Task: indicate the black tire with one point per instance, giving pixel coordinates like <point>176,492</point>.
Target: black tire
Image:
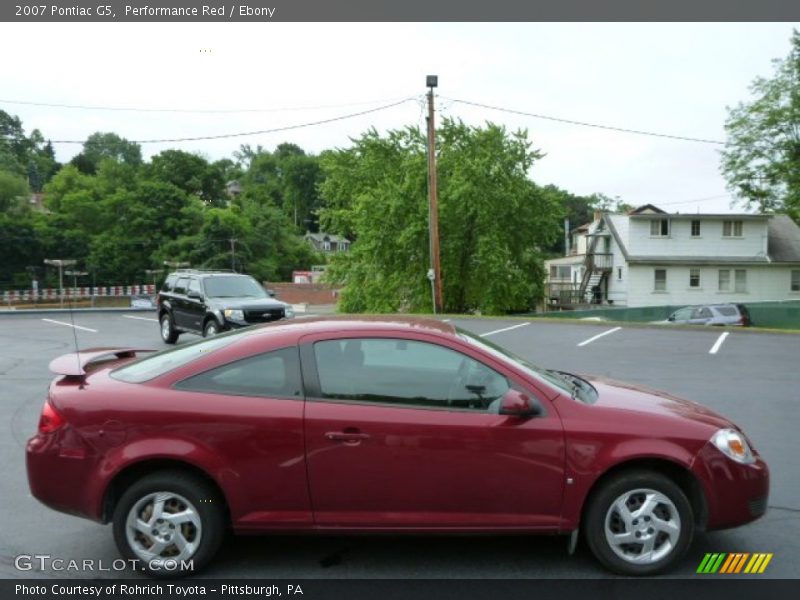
<point>168,332</point>
<point>211,328</point>
<point>673,517</point>
<point>180,489</point>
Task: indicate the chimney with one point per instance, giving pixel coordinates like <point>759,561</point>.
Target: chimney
<point>598,214</point>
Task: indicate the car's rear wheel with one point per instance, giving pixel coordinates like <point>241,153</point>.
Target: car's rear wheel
<point>639,523</point>
<point>168,333</point>
<point>171,523</point>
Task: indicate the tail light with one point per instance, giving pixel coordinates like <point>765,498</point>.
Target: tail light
<point>50,420</point>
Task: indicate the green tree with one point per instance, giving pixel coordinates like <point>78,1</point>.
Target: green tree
<point>761,159</point>
<point>106,145</point>
<point>190,172</point>
<point>13,188</point>
<point>493,220</point>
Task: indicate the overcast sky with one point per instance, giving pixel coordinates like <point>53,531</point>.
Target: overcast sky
<point>670,78</point>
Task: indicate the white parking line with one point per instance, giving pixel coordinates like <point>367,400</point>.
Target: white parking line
<point>718,343</point>
<point>505,329</point>
<point>140,318</point>
<point>70,325</point>
<point>598,336</point>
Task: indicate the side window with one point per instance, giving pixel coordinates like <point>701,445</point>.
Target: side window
<point>180,286</point>
<point>406,372</point>
<point>194,286</point>
<point>274,375</point>
<point>169,283</point>
<point>703,313</point>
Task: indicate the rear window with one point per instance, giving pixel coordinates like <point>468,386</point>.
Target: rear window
<point>727,311</point>
<point>162,362</point>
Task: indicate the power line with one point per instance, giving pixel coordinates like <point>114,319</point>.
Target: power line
<point>260,132</point>
<point>192,110</point>
<point>696,200</point>
<point>587,124</point>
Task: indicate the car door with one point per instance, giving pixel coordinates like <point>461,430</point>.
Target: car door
<point>179,309</point>
<point>406,433</point>
<point>702,315</point>
<point>195,306</point>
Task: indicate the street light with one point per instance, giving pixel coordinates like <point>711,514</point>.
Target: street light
<point>60,263</point>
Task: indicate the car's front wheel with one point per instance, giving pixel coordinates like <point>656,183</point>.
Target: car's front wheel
<point>639,523</point>
<point>211,328</point>
<point>168,332</point>
<point>169,524</point>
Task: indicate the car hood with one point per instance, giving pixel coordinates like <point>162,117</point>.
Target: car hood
<point>247,303</point>
<point>633,397</point>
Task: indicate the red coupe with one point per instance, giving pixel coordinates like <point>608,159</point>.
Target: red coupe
<point>373,425</point>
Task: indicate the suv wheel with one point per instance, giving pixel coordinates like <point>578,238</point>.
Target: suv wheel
<point>168,520</point>
<point>168,333</point>
<point>639,523</point>
<point>211,328</point>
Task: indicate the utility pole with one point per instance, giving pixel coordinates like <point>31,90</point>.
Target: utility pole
<point>435,273</point>
<point>233,254</point>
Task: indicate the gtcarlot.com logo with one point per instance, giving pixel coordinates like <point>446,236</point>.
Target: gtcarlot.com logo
<point>734,562</point>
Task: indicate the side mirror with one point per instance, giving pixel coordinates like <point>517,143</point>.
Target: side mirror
<point>671,318</point>
<point>194,295</point>
<point>517,404</point>
<point>270,293</point>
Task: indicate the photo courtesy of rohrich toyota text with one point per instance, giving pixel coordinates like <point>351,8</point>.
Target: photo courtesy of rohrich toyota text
<point>421,299</point>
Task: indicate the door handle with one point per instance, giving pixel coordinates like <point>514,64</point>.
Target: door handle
<point>348,437</point>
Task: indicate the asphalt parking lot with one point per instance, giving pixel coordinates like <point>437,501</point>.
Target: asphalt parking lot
<point>751,377</point>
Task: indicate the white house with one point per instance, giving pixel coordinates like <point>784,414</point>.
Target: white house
<point>651,258</point>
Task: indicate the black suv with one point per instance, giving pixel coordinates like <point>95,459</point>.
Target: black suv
<point>207,302</point>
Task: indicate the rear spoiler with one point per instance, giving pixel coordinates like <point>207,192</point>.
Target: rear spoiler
<point>74,364</point>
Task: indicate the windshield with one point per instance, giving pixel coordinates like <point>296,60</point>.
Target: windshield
<point>233,286</point>
<point>159,363</point>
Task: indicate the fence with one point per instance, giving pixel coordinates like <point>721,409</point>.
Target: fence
<point>774,315</point>
<point>75,293</point>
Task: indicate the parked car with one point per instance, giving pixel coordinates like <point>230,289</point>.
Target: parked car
<point>208,302</point>
<point>380,424</point>
<point>712,314</point>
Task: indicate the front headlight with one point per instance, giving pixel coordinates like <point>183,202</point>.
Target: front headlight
<point>288,312</point>
<point>233,314</point>
<point>733,445</point>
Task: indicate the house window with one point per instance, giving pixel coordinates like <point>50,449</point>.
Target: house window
<point>795,284</point>
<point>553,272</point>
<point>731,229</point>
<point>695,228</point>
<point>694,278</point>
<point>741,280</point>
<point>619,273</point>
<point>724,280</point>
<point>561,273</point>
<point>660,281</point>
<point>659,227</point>
<point>326,246</point>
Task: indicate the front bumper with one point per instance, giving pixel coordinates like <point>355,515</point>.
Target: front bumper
<point>735,493</point>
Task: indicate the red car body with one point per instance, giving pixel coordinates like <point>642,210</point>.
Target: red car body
<point>314,464</point>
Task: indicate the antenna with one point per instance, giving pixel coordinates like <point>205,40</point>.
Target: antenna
<point>75,336</point>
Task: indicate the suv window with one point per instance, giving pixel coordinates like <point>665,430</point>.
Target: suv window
<point>180,286</point>
<point>169,283</point>
<point>233,286</point>
<point>727,311</point>
<point>159,363</point>
<point>274,375</point>
<point>405,372</point>
<point>194,286</point>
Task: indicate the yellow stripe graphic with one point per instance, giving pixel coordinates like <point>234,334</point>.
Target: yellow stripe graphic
<point>757,564</point>
<point>765,563</point>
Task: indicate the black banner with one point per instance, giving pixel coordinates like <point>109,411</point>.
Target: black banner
<point>397,10</point>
